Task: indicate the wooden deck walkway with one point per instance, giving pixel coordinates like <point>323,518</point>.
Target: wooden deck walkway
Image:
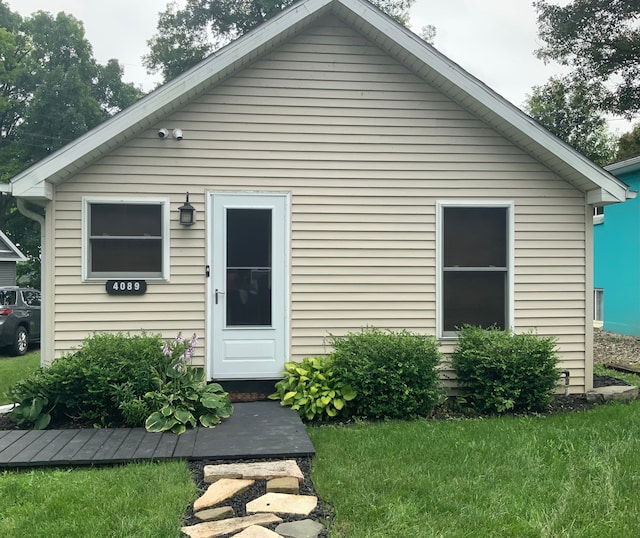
<point>254,430</point>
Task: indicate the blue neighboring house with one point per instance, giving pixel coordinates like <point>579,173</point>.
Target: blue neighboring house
<point>616,245</point>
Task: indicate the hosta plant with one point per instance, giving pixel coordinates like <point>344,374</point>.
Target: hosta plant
<point>182,397</point>
<point>313,390</point>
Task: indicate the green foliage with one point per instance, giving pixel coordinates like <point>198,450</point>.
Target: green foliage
<point>629,144</point>
<point>600,42</point>
<point>181,397</point>
<point>393,373</point>
<point>311,388</point>
<point>52,90</point>
<point>500,371</point>
<point>81,385</point>
<point>187,35</point>
<point>571,112</point>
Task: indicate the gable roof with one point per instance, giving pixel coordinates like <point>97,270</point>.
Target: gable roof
<point>8,251</point>
<point>36,183</point>
<point>624,167</point>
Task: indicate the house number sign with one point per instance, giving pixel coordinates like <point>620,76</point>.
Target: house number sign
<point>126,287</point>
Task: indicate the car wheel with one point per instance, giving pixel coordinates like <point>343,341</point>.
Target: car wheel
<point>20,341</point>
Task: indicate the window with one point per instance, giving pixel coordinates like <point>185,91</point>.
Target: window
<point>598,215</point>
<point>126,239</point>
<point>474,265</point>
<point>31,297</point>
<point>598,304</point>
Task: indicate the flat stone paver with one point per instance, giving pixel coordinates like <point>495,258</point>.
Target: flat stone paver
<point>256,470</point>
<point>613,392</point>
<point>214,514</point>
<point>283,503</point>
<point>211,529</point>
<point>220,491</point>
<point>307,528</point>
<point>285,484</point>
<point>257,532</point>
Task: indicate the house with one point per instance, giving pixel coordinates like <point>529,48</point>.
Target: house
<point>344,174</point>
<point>10,255</point>
<point>617,257</point>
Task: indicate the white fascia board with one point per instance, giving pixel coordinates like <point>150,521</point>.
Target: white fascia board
<point>601,197</point>
<point>623,167</point>
<point>484,96</point>
<point>76,155</point>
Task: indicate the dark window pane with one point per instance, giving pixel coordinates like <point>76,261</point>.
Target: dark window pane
<point>126,255</point>
<point>249,238</point>
<point>248,297</point>
<point>126,220</point>
<point>474,298</point>
<point>31,298</point>
<point>475,237</point>
<point>8,298</point>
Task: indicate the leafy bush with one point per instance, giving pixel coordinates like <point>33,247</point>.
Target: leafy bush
<point>81,385</point>
<point>181,397</point>
<point>311,388</point>
<point>500,370</point>
<point>116,379</point>
<point>393,373</point>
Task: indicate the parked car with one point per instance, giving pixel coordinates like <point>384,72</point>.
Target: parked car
<point>19,318</point>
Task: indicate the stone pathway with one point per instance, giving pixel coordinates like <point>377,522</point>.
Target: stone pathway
<point>270,494</point>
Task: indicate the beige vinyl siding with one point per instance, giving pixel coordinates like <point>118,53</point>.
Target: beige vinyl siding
<point>366,149</point>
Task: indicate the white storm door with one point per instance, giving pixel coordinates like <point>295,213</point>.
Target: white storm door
<point>248,285</point>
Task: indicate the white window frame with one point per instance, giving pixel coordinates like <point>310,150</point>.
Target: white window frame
<point>598,306</point>
<point>440,207</point>
<point>86,247</point>
<point>598,214</point>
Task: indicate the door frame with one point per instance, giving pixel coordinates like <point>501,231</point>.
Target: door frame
<point>209,234</point>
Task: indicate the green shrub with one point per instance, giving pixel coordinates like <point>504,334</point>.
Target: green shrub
<point>311,388</point>
<point>181,397</point>
<point>81,385</point>
<point>500,370</point>
<point>393,373</point>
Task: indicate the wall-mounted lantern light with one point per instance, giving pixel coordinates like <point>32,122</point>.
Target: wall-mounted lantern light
<point>187,213</point>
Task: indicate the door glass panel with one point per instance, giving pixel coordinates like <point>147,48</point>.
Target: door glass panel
<point>248,267</point>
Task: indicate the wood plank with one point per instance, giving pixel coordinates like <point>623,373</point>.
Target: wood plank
<point>21,444</point>
<point>49,452</point>
<point>186,441</point>
<point>67,454</point>
<point>30,453</point>
<point>147,446</point>
<point>8,438</point>
<point>166,446</point>
<point>88,451</point>
<point>129,445</point>
<point>111,445</point>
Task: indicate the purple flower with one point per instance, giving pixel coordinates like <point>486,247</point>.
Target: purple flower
<point>194,340</point>
<point>166,350</point>
<point>188,353</point>
<point>180,338</point>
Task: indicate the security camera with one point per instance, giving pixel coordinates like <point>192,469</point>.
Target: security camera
<point>163,133</point>
<point>177,134</point>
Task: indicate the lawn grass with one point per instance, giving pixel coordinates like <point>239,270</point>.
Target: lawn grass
<point>14,369</point>
<point>143,500</point>
<point>574,475</point>
<point>632,379</point>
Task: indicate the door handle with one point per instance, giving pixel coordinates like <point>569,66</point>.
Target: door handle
<point>218,292</point>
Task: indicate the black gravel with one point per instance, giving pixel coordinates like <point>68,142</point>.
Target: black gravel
<point>321,513</point>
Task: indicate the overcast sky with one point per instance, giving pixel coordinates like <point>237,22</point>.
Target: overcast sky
<point>494,40</point>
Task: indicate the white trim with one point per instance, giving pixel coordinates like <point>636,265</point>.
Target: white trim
<point>20,256</point>
<point>440,205</point>
<point>165,203</point>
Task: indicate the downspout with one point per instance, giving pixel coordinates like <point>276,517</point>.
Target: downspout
<point>44,337</point>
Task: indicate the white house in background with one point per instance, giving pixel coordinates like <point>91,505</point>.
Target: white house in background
<point>10,255</point>
<point>344,174</point>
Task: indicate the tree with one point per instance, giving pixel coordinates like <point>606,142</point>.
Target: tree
<point>51,91</point>
<point>629,144</point>
<point>186,36</point>
<point>570,111</point>
<point>600,41</point>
